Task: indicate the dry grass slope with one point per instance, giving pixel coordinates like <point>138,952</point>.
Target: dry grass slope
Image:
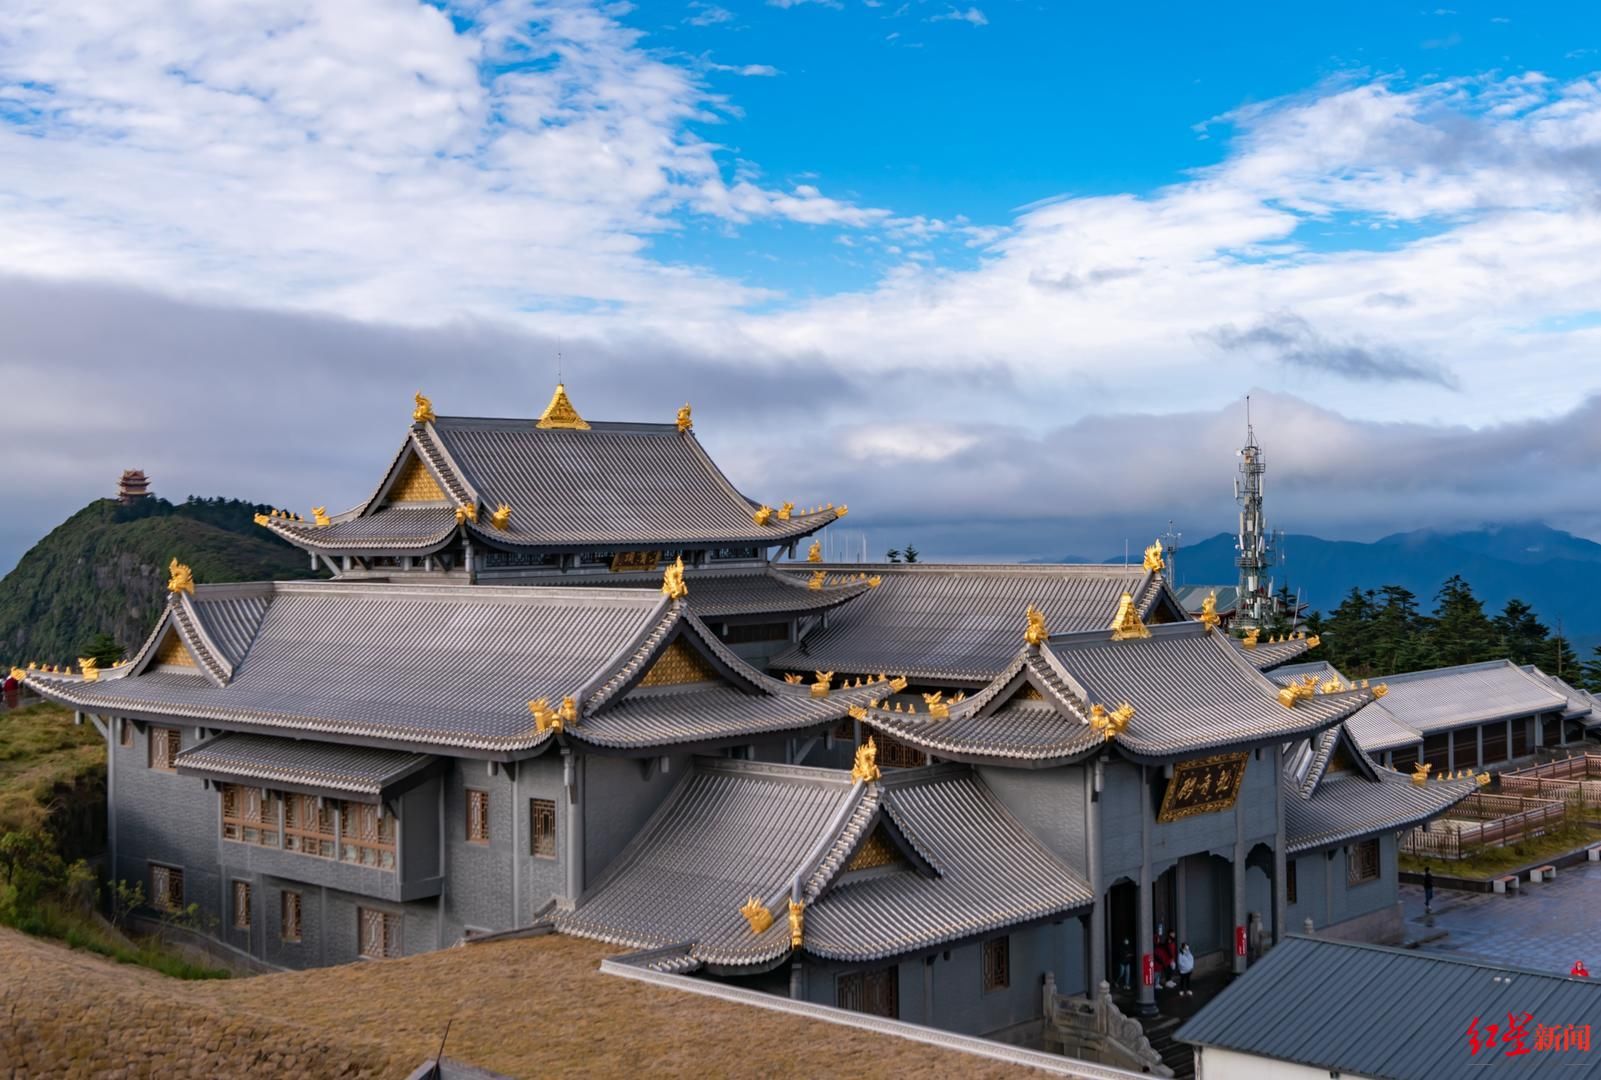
<point>530,1008</point>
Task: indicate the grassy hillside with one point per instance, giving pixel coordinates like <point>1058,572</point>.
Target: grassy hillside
<point>104,570</point>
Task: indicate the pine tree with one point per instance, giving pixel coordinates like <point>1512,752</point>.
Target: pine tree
<point>1559,659</point>
<point>102,649</point>
<point>1462,633</point>
<point>1591,673</point>
<point>1398,634</point>
<point>1521,637</point>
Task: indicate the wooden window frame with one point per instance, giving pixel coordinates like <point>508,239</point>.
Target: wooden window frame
<point>1359,869</point>
<point>859,990</point>
<point>377,933</point>
<point>164,745</point>
<point>542,843</point>
<point>289,913</point>
<point>996,962</point>
<point>310,829</point>
<point>250,815</point>
<point>477,816</point>
<point>366,835</point>
<point>241,905</point>
<point>166,887</point>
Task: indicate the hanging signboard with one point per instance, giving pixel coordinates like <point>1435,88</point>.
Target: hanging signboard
<point>1203,785</point>
<point>634,560</point>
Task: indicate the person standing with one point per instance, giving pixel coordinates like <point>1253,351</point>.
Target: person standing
<point>1428,891</point>
<point>1186,965</point>
<point>1125,965</point>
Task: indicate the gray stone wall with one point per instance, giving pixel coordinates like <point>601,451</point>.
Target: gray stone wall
<point>1050,803</point>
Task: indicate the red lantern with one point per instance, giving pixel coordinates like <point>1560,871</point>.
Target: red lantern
<point>1239,941</point>
<point>1148,970</point>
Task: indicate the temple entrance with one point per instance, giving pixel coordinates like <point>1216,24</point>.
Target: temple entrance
<point>1165,913</point>
<point>1122,924</point>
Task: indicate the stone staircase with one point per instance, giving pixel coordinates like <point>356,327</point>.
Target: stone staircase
<point>1094,1029</point>
<point>1178,1056</point>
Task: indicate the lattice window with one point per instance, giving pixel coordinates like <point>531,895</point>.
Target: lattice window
<point>894,754</point>
<point>876,992</point>
<point>542,828</point>
<point>241,905</point>
<point>166,887</point>
<point>165,742</point>
<point>124,732</point>
<point>308,827</point>
<point>1289,881</point>
<point>380,933</point>
<point>997,964</point>
<point>289,915</point>
<point>250,815</point>
<point>477,816</point>
<point>367,835</point>
<point>1362,862</point>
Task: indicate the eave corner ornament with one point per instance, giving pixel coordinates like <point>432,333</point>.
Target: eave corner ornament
<point>1154,563</point>
<point>1295,693</point>
<point>500,517</point>
<point>1034,632</point>
<point>319,514</point>
<point>1249,640</point>
<point>553,720</point>
<point>815,552</point>
<point>673,586</point>
<point>1126,623</point>
<point>937,707</point>
<point>1111,724</point>
<point>684,424</point>
<point>816,581</point>
<point>797,923</point>
<point>91,668</point>
<point>182,580</point>
<point>18,674</point>
<point>424,412</point>
<point>1420,772</point>
<point>1209,616</point>
<point>561,414</point>
<point>763,515</point>
<point>865,767</point>
<point>824,680</point>
<point>1483,779</point>
<point>467,513</point>
<point>757,915</point>
<point>1380,690</point>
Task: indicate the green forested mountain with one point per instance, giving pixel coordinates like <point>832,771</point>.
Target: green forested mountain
<point>103,571</point>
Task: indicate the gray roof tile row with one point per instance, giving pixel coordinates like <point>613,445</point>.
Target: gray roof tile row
<point>263,759</point>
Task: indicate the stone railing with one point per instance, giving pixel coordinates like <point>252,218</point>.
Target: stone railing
<point>1095,1029</point>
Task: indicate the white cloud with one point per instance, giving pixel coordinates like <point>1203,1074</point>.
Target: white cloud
<point>972,16</point>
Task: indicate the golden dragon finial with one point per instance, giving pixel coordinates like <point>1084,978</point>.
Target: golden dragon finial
<point>424,412</point>
<point>865,768</point>
<point>756,913</point>
<point>1154,562</point>
<point>1034,632</point>
<point>673,586</point>
<point>815,552</point>
<point>1209,616</point>
<point>684,420</point>
<point>182,579</point>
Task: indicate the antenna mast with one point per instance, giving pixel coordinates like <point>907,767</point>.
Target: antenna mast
<point>1254,544</point>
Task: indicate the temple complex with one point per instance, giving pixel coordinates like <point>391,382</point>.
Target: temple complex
<point>565,673</point>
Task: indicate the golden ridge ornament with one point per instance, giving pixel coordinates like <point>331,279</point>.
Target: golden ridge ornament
<point>1154,563</point>
<point>319,514</point>
<point>756,914</point>
<point>684,421</point>
<point>763,515</point>
<point>1209,616</point>
<point>561,414</point>
<point>673,586</point>
<point>500,516</point>
<point>182,580</point>
<point>815,552</point>
<point>865,768</point>
<point>797,923</point>
<point>1126,624</point>
<point>424,412</point>
<point>1034,633</point>
<point>90,667</point>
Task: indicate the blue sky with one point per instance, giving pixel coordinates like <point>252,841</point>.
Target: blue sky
<point>1044,99</point>
<point>998,275</point>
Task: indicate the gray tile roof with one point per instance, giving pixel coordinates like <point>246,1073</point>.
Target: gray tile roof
<point>636,486</point>
<point>735,829</point>
<point>1286,674</point>
<point>455,666</point>
<point>1581,703</point>
<point>1446,698</point>
<point>1191,691</point>
<point>716,595</point>
<point>390,530</point>
<point>1270,654</point>
<point>1193,596</point>
<point>1329,806</point>
<point>229,617</point>
<point>1368,1010</point>
<point>1376,729</point>
<point>962,624</point>
<point>361,771</point>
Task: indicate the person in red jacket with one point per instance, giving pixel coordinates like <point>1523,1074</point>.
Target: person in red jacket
<point>1579,970</point>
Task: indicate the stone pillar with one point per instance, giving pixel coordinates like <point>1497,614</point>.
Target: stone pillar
<point>1146,994</point>
<point>1181,922</point>
<point>573,781</point>
<point>1092,855</point>
<point>797,980</point>
<point>1479,731</point>
<point>1281,872</point>
<point>1239,882</point>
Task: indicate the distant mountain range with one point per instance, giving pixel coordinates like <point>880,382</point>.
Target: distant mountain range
<point>1553,570</point>
<point>104,570</point>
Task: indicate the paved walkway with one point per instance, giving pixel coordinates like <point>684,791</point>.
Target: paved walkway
<point>1546,926</point>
